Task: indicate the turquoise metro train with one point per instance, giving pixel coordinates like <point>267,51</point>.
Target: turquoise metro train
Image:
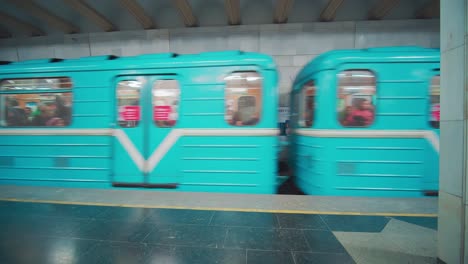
<point>363,122</point>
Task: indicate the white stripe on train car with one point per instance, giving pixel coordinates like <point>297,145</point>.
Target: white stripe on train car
<point>57,132</point>
<point>429,135</point>
<point>162,149</point>
<point>132,151</point>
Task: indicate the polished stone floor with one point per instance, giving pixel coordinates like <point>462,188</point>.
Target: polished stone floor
<point>61,233</point>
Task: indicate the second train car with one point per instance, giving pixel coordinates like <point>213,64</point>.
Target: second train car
<point>366,123</point>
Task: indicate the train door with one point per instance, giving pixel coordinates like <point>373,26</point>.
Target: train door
<point>146,112</point>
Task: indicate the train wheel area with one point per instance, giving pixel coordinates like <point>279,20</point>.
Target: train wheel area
<point>67,225</point>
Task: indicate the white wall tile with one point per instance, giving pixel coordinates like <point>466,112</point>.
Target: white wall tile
<point>287,74</point>
<point>315,42</point>
<point>392,33</point>
<point>104,43</point>
<point>75,46</point>
<point>301,60</point>
<point>279,42</point>
<point>35,48</point>
<point>452,79</point>
<point>242,40</point>
<point>281,27</point>
<point>451,156</point>
<point>453,22</point>
<point>197,42</point>
<point>449,228</point>
<point>283,60</point>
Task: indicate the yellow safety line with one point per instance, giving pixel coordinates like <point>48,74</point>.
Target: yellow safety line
<point>281,211</point>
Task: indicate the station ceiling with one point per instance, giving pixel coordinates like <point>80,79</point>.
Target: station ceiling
<point>52,17</point>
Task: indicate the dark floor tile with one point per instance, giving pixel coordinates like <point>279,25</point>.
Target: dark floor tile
<point>177,216</point>
<point>187,235</point>
<point>270,257</point>
<point>428,222</point>
<point>355,223</point>
<point>323,241</point>
<point>301,221</point>
<point>265,239</point>
<point>40,226</point>
<point>114,230</point>
<point>322,258</point>
<point>122,252</point>
<point>55,210</point>
<point>192,255</point>
<point>125,214</point>
<point>222,218</point>
<point>44,250</point>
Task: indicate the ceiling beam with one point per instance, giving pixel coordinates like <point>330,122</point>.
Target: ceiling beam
<point>22,26</point>
<point>233,11</point>
<point>329,12</point>
<point>282,10</point>
<point>41,13</point>
<point>139,13</point>
<point>186,12</point>
<point>430,10</point>
<point>85,10</point>
<point>382,9</point>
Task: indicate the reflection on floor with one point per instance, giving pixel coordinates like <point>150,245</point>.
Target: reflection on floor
<point>59,233</point>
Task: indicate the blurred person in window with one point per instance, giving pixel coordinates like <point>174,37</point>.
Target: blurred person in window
<point>435,115</point>
<point>308,118</point>
<point>252,120</point>
<point>15,115</point>
<point>28,113</point>
<point>55,121</point>
<point>42,116</point>
<point>345,114</point>
<point>309,113</point>
<point>62,110</point>
<point>236,119</point>
<point>362,115</point>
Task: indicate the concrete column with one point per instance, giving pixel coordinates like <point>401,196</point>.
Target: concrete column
<point>453,198</point>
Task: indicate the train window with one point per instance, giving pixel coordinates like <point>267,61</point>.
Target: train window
<point>307,104</point>
<point>243,98</point>
<point>128,102</point>
<point>36,102</point>
<point>356,98</point>
<point>166,102</point>
<point>435,102</point>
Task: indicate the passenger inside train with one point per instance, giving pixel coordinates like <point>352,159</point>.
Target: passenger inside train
<point>362,114</point>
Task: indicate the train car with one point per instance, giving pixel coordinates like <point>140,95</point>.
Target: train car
<point>197,122</point>
<point>366,123</point>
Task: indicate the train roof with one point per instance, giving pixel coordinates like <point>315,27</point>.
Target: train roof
<point>332,59</point>
<point>156,60</point>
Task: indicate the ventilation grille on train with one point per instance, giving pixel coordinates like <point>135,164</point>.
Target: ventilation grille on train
<point>61,162</point>
<point>7,161</point>
<point>346,168</point>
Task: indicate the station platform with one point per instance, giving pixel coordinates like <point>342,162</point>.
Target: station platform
<point>67,225</point>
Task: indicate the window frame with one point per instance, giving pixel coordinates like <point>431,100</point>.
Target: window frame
<point>35,91</point>
<point>137,124</point>
<point>260,100</point>
<point>302,103</point>
<point>373,103</point>
<point>179,91</point>
<point>429,121</point>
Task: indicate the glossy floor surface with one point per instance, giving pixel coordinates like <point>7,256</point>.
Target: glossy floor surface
<point>154,198</point>
<point>60,233</point>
